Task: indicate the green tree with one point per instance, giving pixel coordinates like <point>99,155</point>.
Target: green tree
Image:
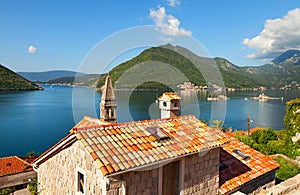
<point>31,154</point>
<point>274,147</point>
<point>292,117</point>
<point>264,136</point>
<point>218,124</point>
<point>246,140</point>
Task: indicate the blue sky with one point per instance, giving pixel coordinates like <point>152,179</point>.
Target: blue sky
<point>57,35</point>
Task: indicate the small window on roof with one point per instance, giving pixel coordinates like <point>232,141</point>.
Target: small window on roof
<point>241,154</point>
<point>158,133</point>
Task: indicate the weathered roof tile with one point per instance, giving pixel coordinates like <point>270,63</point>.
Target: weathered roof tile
<point>14,164</point>
<point>129,145</point>
<point>237,171</point>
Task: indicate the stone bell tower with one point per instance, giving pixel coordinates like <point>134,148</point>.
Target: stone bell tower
<point>108,104</point>
<point>169,104</point>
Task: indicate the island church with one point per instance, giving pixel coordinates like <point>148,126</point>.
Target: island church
<point>171,155</point>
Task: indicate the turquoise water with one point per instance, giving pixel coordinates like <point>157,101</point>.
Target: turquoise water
<point>35,120</point>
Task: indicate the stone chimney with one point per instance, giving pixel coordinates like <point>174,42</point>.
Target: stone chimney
<point>108,104</point>
<point>169,104</point>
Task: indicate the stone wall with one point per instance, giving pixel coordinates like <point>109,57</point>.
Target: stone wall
<point>57,175</point>
<point>285,187</point>
<point>116,188</point>
<point>16,179</point>
<point>201,175</point>
<point>141,182</point>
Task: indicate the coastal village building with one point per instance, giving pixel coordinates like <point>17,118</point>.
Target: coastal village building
<point>171,155</point>
<point>16,172</point>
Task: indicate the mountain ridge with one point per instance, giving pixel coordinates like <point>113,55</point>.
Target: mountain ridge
<point>180,58</point>
<point>281,72</point>
<point>292,56</point>
<point>49,75</point>
<point>11,81</point>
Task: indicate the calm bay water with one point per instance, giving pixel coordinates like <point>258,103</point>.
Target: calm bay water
<point>35,120</point>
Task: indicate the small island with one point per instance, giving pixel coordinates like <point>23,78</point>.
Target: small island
<point>262,97</point>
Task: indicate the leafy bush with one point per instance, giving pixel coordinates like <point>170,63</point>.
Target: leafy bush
<point>283,135</point>
<point>7,191</point>
<point>246,140</point>
<point>32,186</point>
<point>286,170</point>
<point>270,142</point>
<point>264,136</point>
<point>274,147</point>
<point>292,117</point>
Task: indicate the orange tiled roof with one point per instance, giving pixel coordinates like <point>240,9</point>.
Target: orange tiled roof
<point>237,171</point>
<point>13,164</point>
<point>169,96</point>
<point>123,146</point>
<point>244,132</point>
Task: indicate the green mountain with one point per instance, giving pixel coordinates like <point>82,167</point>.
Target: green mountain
<point>173,66</point>
<point>283,71</point>
<point>11,81</point>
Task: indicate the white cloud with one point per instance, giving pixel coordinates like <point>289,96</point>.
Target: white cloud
<point>278,35</point>
<point>173,3</point>
<point>167,24</point>
<point>31,49</point>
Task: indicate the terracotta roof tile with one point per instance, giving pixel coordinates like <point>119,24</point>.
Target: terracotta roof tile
<point>169,96</point>
<point>104,170</point>
<point>237,171</point>
<point>14,164</point>
<point>119,147</point>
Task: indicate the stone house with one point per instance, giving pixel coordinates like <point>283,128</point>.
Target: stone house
<point>177,155</point>
<point>16,172</point>
<point>163,156</point>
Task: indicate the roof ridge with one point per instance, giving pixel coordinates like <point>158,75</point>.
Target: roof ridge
<point>22,160</point>
<point>8,157</point>
<point>132,123</point>
<point>14,156</point>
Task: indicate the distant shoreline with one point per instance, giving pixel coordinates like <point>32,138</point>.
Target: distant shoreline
<point>162,89</point>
